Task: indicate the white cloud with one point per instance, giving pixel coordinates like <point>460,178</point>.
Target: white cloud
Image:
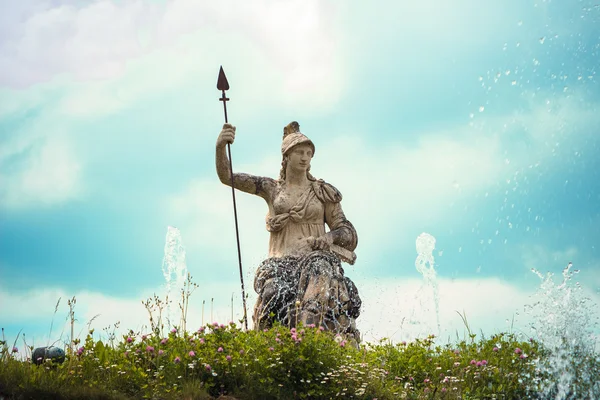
<point>50,175</point>
<point>291,44</point>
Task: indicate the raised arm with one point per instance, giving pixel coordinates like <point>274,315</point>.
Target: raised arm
<point>257,185</point>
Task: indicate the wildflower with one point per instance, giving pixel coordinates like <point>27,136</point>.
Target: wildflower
<point>443,390</point>
<point>201,329</point>
<point>403,343</point>
<point>456,364</point>
<point>457,352</point>
<point>277,340</point>
<point>177,360</point>
<point>201,340</point>
<point>208,367</point>
<point>473,362</point>
<point>495,349</point>
<point>228,358</point>
<point>321,328</point>
<point>191,353</point>
<point>129,339</point>
<point>338,338</point>
<point>149,349</point>
<point>164,341</point>
<point>231,323</point>
<point>144,337</point>
<point>483,362</point>
<point>191,340</point>
<point>80,351</point>
<point>311,325</point>
<point>161,352</point>
<point>216,324</point>
<point>271,349</point>
<point>523,356</point>
<point>220,349</point>
<point>518,351</point>
<point>126,353</point>
<point>293,331</point>
<point>343,343</point>
<point>174,330</point>
<point>265,330</point>
<point>242,352</point>
<point>479,363</point>
<point>222,326</point>
<point>426,380</point>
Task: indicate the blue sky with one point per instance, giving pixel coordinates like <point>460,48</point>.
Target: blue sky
<point>476,122</point>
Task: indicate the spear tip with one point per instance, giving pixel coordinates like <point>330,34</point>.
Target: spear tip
<point>222,83</point>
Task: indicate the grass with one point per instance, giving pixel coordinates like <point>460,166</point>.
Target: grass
<point>281,363</point>
<point>275,364</point>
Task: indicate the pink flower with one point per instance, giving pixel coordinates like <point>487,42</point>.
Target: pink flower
<point>201,340</point>
<point>343,343</point>
<point>222,326</point>
<point>293,330</point>
<point>403,343</point>
<point>15,350</point>
<point>208,367</point>
<point>523,356</point>
<point>426,380</point>
<point>149,349</point>
<point>126,353</point>
<point>271,349</point>
<point>321,328</point>
<point>191,340</point>
<point>191,353</point>
<point>277,340</point>
<point>201,329</point>
<point>479,363</point>
<point>311,325</point>
<point>483,362</point>
<point>456,351</point>
<point>443,390</point>
<point>144,337</point>
<point>174,330</point>
<point>228,358</point>
<point>129,339</point>
<point>216,324</point>
<point>495,349</point>
<point>473,362</point>
<point>265,330</point>
<point>177,360</point>
<point>80,351</point>
<point>220,349</point>
<point>518,351</point>
<point>241,352</point>
<point>164,341</point>
<point>161,352</point>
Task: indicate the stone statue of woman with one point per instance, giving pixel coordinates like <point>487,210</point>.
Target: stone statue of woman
<point>302,281</point>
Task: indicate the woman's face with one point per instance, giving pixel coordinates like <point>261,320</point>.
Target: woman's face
<point>299,157</point>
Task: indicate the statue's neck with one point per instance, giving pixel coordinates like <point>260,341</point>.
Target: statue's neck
<point>296,178</point>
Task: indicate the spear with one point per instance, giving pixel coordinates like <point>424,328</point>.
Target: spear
<point>223,85</point>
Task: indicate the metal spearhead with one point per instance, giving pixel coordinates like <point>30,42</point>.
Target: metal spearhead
<point>222,83</point>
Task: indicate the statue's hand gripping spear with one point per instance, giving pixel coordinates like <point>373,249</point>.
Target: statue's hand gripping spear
<point>223,85</point>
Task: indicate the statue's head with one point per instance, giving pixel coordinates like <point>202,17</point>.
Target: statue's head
<point>292,138</point>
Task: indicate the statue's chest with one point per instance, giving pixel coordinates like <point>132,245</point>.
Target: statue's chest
<point>285,200</point>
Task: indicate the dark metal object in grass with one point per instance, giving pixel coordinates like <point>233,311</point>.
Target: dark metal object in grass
<point>42,354</point>
<point>223,85</point>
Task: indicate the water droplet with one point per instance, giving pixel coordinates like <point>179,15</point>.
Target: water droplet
<point>481,108</point>
<point>489,241</point>
<point>506,161</point>
<point>510,225</point>
<point>460,249</point>
<point>513,83</point>
<point>565,88</point>
<point>507,72</point>
<point>471,115</point>
<point>520,23</point>
<point>480,78</point>
<point>542,39</point>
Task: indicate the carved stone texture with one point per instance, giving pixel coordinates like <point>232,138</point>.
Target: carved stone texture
<point>302,281</point>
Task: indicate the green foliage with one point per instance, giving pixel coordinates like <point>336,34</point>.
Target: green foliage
<point>275,364</point>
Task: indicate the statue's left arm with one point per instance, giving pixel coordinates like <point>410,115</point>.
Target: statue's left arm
<point>341,231</point>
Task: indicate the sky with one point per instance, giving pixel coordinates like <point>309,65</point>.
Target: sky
<point>475,122</point>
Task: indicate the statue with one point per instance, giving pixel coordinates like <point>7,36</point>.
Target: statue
<point>302,281</point>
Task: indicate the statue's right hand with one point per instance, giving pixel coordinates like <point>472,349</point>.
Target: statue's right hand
<point>227,135</point>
